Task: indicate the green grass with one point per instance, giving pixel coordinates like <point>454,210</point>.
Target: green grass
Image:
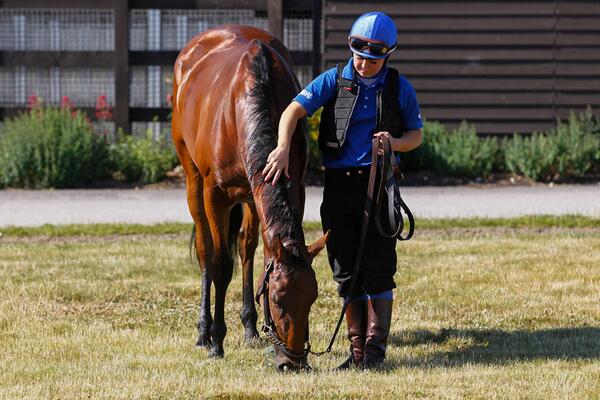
<point>492,314</point>
<point>542,221</point>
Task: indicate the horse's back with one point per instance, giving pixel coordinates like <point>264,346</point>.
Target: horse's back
<point>212,76</point>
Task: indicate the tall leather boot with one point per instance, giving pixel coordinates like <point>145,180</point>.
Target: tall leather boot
<point>379,318</point>
<point>356,318</point>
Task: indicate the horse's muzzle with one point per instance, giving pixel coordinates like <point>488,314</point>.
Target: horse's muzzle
<point>286,364</point>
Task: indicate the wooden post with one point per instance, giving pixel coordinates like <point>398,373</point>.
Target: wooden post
<point>121,65</point>
<point>275,13</point>
<point>316,40</point>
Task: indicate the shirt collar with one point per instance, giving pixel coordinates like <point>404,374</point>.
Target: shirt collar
<point>347,72</point>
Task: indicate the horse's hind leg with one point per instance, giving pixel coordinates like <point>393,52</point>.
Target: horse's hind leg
<point>202,239</point>
<point>247,243</point>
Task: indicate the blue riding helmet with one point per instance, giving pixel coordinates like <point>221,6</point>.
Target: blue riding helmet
<point>373,26</point>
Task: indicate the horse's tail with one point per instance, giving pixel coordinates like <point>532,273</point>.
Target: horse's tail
<point>236,216</point>
<point>193,243</point>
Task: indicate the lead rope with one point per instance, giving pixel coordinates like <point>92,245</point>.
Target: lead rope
<point>384,145</point>
<point>387,184</point>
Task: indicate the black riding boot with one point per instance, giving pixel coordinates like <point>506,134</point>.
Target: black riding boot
<point>356,318</point>
<point>379,318</point>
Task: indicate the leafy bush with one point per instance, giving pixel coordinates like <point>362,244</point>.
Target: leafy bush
<point>422,158</point>
<point>570,150</point>
<point>51,147</point>
<point>142,160</point>
<point>314,154</point>
<point>460,153</point>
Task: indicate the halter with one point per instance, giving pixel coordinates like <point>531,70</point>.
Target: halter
<point>298,360</point>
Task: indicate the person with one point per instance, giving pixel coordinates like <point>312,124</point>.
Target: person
<point>350,97</point>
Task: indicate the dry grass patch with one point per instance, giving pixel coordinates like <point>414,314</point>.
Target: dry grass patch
<point>479,314</point>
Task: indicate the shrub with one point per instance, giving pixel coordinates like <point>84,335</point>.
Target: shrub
<point>422,158</point>
<point>51,147</point>
<point>460,153</point>
<point>142,160</point>
<point>570,150</point>
<point>315,162</point>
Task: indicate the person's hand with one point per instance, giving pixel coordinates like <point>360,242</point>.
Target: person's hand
<point>277,163</point>
<point>387,135</point>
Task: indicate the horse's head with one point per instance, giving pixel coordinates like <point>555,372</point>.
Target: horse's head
<point>289,286</point>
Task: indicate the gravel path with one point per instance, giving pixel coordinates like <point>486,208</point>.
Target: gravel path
<point>148,206</point>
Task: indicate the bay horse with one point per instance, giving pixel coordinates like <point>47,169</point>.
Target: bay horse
<point>231,85</point>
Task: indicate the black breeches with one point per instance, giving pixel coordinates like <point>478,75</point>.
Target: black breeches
<point>342,213</point>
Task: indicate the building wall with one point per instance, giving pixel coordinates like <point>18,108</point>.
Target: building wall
<point>505,66</point>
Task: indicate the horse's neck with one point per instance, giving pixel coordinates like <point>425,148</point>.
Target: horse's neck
<point>277,213</point>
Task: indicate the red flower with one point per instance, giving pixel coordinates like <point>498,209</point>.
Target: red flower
<point>65,102</point>
<point>103,110</point>
<point>33,101</point>
<point>170,99</point>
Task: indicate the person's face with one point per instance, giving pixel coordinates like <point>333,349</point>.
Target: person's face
<point>367,67</point>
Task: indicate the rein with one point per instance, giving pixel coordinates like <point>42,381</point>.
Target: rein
<point>382,156</point>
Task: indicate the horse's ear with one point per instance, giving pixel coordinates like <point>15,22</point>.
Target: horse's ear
<point>318,245</point>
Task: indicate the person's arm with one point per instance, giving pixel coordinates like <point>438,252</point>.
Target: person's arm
<point>278,160</point>
<point>409,141</point>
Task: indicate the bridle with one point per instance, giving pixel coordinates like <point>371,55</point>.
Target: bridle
<point>298,360</point>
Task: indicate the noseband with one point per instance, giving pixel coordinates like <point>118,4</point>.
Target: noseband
<point>298,360</point>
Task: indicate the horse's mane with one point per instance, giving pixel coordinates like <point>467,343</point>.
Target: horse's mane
<point>261,139</point>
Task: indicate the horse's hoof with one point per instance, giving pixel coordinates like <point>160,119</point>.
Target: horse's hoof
<point>204,341</point>
<point>252,339</point>
<point>216,353</point>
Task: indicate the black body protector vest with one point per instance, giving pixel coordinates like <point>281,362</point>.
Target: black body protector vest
<point>336,114</point>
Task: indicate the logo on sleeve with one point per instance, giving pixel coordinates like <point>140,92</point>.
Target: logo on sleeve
<point>306,93</point>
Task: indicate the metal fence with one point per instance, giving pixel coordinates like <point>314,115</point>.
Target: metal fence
<point>72,51</point>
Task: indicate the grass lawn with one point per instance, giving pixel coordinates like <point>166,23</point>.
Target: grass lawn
<point>487,310</point>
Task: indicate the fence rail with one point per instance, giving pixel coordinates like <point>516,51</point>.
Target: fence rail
<point>125,50</point>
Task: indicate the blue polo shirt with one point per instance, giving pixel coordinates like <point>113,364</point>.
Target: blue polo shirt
<point>356,151</point>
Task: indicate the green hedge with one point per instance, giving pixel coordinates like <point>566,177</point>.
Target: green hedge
<point>57,147</point>
<point>570,150</point>
<point>459,153</point>
<point>51,147</point>
<point>142,160</point>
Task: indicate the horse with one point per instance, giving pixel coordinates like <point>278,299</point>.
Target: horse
<point>230,86</point>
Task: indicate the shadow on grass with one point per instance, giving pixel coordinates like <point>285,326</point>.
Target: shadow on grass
<point>457,347</point>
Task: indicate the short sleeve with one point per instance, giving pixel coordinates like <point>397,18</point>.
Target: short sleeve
<point>318,92</point>
<point>409,106</point>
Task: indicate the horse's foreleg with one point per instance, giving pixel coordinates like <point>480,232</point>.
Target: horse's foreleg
<point>216,206</point>
<point>247,243</point>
